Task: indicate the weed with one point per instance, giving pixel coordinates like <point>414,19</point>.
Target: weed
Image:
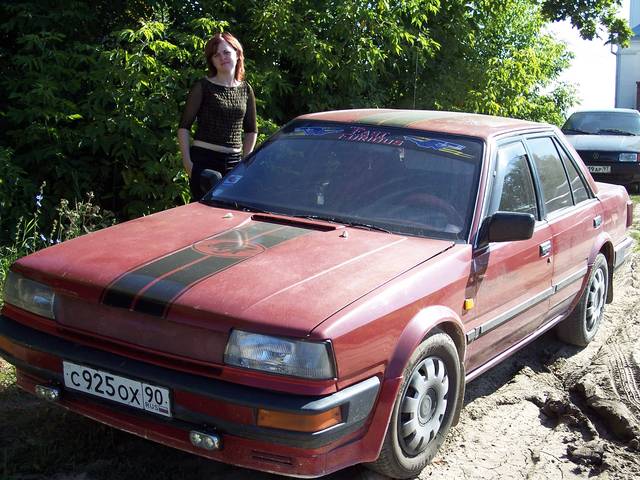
<point>72,221</point>
<point>7,376</point>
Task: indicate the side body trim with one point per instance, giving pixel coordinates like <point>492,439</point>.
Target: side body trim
<point>508,315</point>
<point>517,310</point>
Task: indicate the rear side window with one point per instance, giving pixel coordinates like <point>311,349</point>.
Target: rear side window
<point>513,186</point>
<point>553,179</point>
<point>578,187</point>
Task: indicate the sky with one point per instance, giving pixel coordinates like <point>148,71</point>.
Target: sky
<point>593,70</point>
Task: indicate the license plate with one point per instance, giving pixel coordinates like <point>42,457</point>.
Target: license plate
<point>133,393</point>
<point>599,168</point>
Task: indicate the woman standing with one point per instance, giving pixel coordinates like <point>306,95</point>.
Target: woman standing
<point>225,107</point>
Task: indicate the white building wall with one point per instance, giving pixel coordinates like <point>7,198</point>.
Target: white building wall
<point>628,64</point>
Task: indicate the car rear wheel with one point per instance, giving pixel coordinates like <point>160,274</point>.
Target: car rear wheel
<point>582,324</point>
<point>423,410</point>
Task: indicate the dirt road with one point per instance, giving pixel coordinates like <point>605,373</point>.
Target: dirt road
<point>549,412</point>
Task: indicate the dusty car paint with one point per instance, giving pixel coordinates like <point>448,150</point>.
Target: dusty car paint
<point>156,298</point>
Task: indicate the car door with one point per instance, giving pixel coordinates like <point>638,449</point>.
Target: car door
<point>572,213</point>
<point>511,281</point>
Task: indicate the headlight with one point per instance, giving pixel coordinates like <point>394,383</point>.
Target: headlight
<point>279,355</point>
<point>628,157</point>
<point>29,295</point>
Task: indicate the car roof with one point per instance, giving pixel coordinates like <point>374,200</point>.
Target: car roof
<point>471,124</point>
<point>607,110</point>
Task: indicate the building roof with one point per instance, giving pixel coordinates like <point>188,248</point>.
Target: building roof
<point>449,122</point>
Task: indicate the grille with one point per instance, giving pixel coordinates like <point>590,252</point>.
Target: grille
<point>590,156</point>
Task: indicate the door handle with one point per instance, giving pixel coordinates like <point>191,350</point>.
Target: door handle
<point>545,248</point>
<point>597,221</point>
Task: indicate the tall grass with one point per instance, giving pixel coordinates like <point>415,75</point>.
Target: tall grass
<point>71,221</point>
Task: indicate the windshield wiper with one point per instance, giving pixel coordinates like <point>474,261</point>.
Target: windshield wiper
<point>233,204</point>
<point>318,217</point>
<point>341,221</point>
<point>367,226</point>
<point>577,130</point>
<point>615,131</point>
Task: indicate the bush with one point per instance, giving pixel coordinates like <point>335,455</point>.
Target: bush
<point>93,107</point>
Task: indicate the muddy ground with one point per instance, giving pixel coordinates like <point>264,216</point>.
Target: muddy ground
<point>551,411</point>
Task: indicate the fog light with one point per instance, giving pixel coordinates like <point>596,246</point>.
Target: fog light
<point>50,394</point>
<point>206,441</point>
<point>299,422</point>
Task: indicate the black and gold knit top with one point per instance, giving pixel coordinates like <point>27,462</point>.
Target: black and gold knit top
<point>223,113</point>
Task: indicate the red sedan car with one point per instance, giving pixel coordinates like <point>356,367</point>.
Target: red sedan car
<point>328,299</point>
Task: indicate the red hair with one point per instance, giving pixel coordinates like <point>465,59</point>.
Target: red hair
<point>211,48</point>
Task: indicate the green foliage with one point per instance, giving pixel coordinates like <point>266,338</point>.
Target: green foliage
<point>592,18</point>
<point>504,64</point>
<point>87,113</point>
<point>91,91</point>
<point>7,376</point>
<point>321,55</point>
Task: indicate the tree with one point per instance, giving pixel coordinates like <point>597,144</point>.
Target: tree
<point>503,64</point>
<point>590,17</point>
<point>91,91</point>
<point>94,109</point>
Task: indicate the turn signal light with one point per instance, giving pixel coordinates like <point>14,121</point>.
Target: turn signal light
<point>299,422</point>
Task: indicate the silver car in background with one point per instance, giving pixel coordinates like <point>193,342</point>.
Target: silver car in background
<point>608,141</point>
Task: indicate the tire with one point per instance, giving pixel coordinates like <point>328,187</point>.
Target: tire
<point>425,405</point>
<point>582,324</point>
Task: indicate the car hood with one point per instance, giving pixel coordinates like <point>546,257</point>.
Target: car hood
<point>605,143</point>
<point>212,268</point>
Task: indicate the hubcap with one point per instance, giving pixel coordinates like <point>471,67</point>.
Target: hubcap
<point>595,299</point>
<point>423,405</point>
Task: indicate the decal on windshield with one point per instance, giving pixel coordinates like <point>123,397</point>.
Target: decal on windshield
<point>232,179</point>
<point>153,287</point>
<point>370,135</point>
<point>439,145</point>
<point>318,131</point>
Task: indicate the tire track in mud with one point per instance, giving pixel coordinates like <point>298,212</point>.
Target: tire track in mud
<point>625,372</point>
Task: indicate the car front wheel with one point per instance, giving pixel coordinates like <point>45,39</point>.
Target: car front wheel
<point>423,410</point>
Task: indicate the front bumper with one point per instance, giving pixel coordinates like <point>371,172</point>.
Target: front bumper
<point>207,404</point>
<point>622,173</point>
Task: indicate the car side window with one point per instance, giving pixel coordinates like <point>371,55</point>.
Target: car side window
<point>578,187</point>
<point>553,178</point>
<point>513,185</point>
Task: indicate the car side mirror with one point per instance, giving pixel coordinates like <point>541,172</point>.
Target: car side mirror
<point>506,227</point>
<point>209,178</point>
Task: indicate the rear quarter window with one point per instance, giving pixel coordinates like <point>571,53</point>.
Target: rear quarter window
<point>578,187</point>
<point>556,193</point>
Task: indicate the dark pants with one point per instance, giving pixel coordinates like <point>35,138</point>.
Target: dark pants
<point>202,159</point>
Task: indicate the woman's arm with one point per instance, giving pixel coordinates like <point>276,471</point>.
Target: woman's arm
<point>248,143</point>
<point>184,140</point>
<point>184,128</point>
<point>249,124</point>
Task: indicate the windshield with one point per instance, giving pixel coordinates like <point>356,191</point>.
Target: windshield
<point>382,178</point>
<point>603,123</point>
